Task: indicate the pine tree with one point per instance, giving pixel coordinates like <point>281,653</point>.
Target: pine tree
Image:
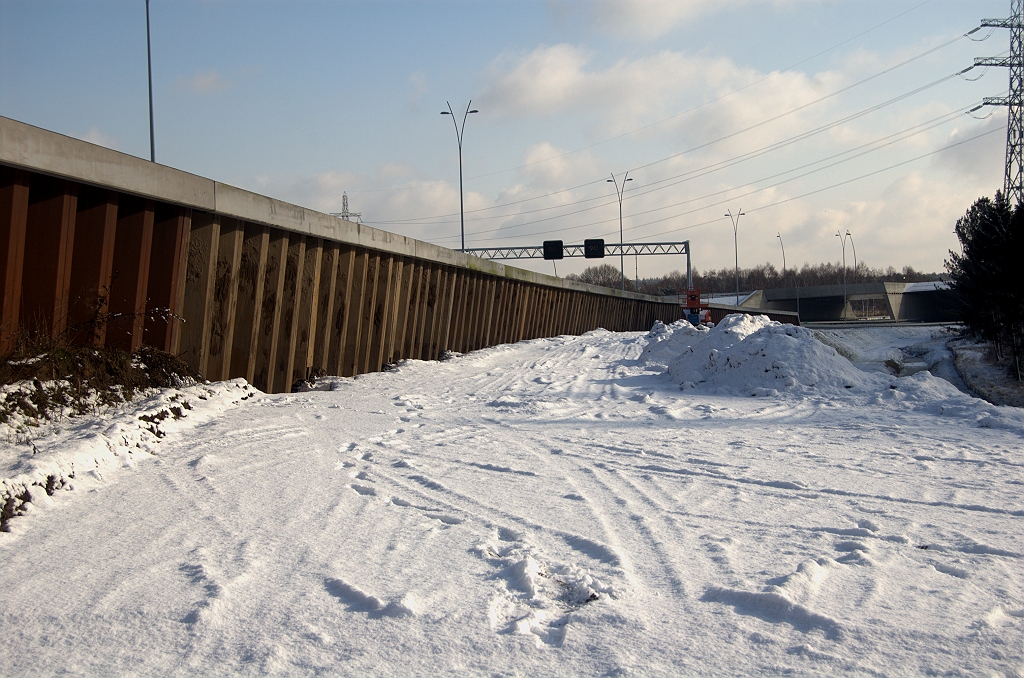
<point>987,276</point>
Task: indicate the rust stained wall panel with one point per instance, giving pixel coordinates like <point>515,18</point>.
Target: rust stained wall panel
<point>92,263</point>
<point>14,188</point>
<point>307,309</point>
<point>49,242</point>
<point>342,306</point>
<point>394,299</point>
<point>270,311</point>
<point>128,285</point>
<point>412,314</point>
<point>401,312</point>
<point>349,366</point>
<point>204,237</point>
<point>366,309</point>
<point>284,360</point>
<point>381,311</point>
<point>252,266</point>
<point>325,304</point>
<point>225,298</point>
<point>166,268</point>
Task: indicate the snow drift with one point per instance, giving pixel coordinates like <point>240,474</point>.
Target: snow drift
<point>755,356</point>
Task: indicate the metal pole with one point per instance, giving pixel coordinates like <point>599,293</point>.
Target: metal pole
<point>736,249</point>
<point>783,246</point>
<point>689,277</point>
<point>850,236</point>
<point>842,239</point>
<point>618,192</point>
<point>149,59</point>
<point>458,135</point>
<point>854,247</point>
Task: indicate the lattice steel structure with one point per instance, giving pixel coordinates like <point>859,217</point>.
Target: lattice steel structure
<point>1013,178</point>
<point>610,250</point>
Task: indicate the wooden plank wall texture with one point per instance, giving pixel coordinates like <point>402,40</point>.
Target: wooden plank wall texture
<point>239,299</point>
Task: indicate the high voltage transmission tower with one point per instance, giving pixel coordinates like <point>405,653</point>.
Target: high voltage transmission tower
<point>344,213</point>
<point>1013,179</point>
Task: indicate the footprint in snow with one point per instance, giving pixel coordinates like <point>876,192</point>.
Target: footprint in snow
<point>535,598</point>
<point>364,490</point>
<point>358,600</point>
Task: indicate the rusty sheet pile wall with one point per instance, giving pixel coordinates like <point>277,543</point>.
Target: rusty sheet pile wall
<point>270,306</point>
<point>241,299</point>
<point>103,248</point>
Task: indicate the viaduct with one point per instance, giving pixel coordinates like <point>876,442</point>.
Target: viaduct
<point>103,248</point>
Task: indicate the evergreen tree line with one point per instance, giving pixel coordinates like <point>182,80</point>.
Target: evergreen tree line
<point>987,275</point>
<point>763,277</point>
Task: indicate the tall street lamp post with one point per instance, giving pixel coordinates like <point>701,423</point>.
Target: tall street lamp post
<point>149,60</point>
<point>783,246</point>
<point>736,249</point>
<point>854,247</point>
<point>842,239</point>
<point>458,135</point>
<point>619,192</point>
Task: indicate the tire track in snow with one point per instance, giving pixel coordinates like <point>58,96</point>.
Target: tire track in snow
<point>641,523</point>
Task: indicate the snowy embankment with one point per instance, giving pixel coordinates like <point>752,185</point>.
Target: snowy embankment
<point>611,504</point>
<point>78,452</point>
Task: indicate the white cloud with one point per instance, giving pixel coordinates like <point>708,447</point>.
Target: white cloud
<point>202,82</point>
<point>636,18</point>
<point>629,94</point>
<point>418,82</point>
<point>95,136</point>
<point>644,19</point>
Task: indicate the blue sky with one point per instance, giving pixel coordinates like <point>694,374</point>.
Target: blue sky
<point>304,100</point>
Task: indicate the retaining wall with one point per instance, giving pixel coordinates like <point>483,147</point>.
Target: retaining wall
<point>105,248</point>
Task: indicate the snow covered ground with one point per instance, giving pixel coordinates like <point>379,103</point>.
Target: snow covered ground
<point>739,501</point>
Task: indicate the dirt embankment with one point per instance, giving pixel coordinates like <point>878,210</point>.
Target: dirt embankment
<point>991,379</point>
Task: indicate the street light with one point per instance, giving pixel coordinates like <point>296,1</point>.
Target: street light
<point>458,135</point>
<point>619,192</point>
<point>850,236</point>
<point>779,236</point>
<point>736,250</point>
<point>842,239</point>
<point>783,246</point>
<point>149,60</point>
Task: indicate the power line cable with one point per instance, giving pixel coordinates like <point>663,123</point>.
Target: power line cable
<point>755,191</point>
<point>874,144</point>
<point>809,193</point>
<point>697,172</point>
<point>771,75</point>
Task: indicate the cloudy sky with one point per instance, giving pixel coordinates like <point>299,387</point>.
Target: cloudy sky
<point>811,116</point>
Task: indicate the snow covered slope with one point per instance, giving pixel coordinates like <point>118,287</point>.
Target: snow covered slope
<point>556,507</point>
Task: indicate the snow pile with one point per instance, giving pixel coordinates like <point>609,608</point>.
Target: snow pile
<point>755,356</point>
<point>664,342</point>
<point>752,355</point>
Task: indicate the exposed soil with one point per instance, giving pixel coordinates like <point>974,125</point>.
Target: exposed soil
<point>39,383</point>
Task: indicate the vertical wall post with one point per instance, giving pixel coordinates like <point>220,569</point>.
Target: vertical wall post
<point>49,245</point>
<point>307,309</point>
<point>166,269</point>
<point>225,298</point>
<point>204,237</point>
<point>252,270</point>
<point>325,304</point>
<point>14,185</point>
<point>92,263</point>
<point>270,313</point>
<point>129,282</point>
